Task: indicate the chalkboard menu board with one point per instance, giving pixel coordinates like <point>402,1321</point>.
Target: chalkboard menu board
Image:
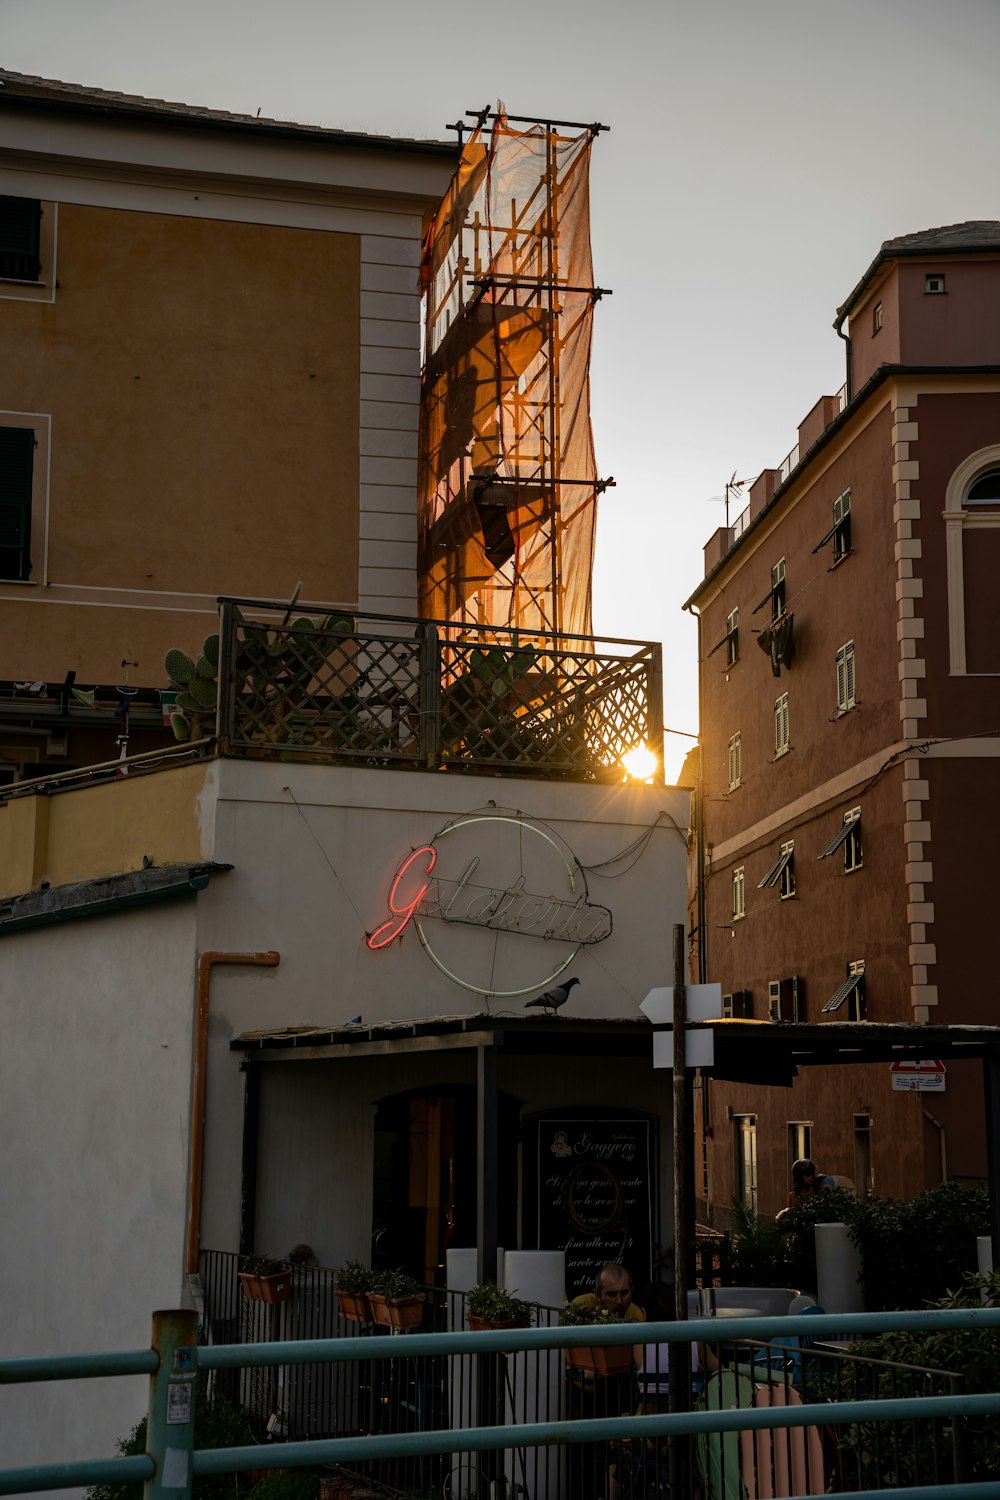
<point>593,1194</point>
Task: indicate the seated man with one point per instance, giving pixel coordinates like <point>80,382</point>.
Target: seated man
<point>612,1292</point>
<point>608,1396</point>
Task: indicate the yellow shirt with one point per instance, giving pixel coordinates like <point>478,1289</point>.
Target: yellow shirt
<point>633,1314</point>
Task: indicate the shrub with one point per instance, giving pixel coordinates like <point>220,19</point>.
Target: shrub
<point>393,1284</point>
<point>912,1250</point>
<point>355,1279</point>
<point>974,1353</point>
<point>494,1305</point>
<point>289,1484</point>
<point>217,1424</point>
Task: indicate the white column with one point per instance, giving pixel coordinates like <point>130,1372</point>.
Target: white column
<point>534,1379</point>
<point>838,1270</point>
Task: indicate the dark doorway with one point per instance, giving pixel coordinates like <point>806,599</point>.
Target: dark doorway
<point>425,1189</point>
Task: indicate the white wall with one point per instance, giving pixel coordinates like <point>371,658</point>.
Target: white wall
<point>314,850</point>
<point>95,1076</point>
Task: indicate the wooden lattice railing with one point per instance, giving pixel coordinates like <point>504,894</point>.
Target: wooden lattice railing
<point>333,686</point>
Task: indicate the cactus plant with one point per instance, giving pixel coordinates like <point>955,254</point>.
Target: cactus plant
<point>277,667</point>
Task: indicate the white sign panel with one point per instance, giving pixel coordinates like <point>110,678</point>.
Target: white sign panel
<point>925,1077</point>
<point>699,1049</point>
<point>704,1003</point>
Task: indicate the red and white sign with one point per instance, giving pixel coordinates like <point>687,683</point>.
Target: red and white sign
<point>924,1076</point>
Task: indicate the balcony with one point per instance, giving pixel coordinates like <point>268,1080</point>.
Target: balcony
<point>338,687</point>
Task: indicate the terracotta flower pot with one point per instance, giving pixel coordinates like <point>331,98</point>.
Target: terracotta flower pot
<point>356,1307</point>
<point>484,1325</point>
<point>274,1287</point>
<point>606,1359</point>
<point>397,1312</point>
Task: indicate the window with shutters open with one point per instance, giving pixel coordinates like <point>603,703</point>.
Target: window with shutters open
<point>781,741</point>
<point>845,677</point>
<point>17,458</point>
<point>739,893</point>
<point>735,761</point>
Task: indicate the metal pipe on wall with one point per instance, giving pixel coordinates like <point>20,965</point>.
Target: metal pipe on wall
<point>206,962</point>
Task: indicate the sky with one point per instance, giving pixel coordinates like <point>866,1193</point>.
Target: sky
<point>758,156</point>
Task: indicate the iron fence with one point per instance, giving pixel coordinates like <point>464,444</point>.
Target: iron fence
<point>332,686</point>
<point>514,1387</point>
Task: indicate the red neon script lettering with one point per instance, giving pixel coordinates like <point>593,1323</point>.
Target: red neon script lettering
<point>402,911</point>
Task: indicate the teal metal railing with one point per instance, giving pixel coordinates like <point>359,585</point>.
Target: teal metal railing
<point>174,1362</point>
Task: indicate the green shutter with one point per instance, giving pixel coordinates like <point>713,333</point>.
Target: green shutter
<point>20,220</point>
<point>17,456</point>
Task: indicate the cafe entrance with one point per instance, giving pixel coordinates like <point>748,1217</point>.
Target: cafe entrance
<point>425,1182</point>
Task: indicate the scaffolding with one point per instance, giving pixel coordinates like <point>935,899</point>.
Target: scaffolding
<point>508,478</point>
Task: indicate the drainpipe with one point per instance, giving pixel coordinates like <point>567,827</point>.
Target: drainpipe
<point>699,828</point>
<point>942,1139</point>
<point>839,327</point>
<point>206,963</point>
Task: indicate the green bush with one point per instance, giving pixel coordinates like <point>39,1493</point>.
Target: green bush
<point>217,1424</point>
<point>290,1484</point>
<point>973,1353</point>
<point>913,1250</point>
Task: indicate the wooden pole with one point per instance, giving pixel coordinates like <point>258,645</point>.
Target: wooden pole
<point>680,1353</point>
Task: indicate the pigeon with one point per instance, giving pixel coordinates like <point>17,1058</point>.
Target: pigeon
<point>553,998</point>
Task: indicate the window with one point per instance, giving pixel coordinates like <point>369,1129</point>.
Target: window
<point>799,1142</point>
<point>20,222</point>
<point>782,872</point>
<point>17,455</point>
<point>864,1177</point>
<point>972,504</point>
<point>735,761</point>
<point>934,284</point>
<point>745,1140</point>
<point>852,990</point>
<point>845,677</point>
<point>738,1006</point>
<point>985,490</point>
<point>840,531</point>
<point>739,893</point>
<point>732,638</point>
<point>775,595</point>
<point>848,836</point>
<point>783,999</point>
<point>778,589</point>
<point>781,724</point>
<point>876,318</point>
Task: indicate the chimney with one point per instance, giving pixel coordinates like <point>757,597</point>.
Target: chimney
<point>762,489</point>
<point>816,422</point>
<point>717,546</point>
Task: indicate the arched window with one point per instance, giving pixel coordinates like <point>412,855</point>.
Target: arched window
<point>985,490</point>
<point>972,545</point>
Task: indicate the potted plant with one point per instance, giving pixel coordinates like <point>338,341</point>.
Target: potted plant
<point>603,1359</point>
<point>396,1300</point>
<point>264,1279</point>
<point>488,1306</point>
<point>354,1282</point>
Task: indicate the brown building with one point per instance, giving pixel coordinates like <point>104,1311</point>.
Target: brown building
<point>210,385</point>
<point>850,711</point>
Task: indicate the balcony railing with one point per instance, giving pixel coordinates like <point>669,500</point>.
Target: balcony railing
<point>389,691</point>
<point>449,1392</point>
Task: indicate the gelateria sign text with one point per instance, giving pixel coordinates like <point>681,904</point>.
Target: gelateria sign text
<point>505,875</point>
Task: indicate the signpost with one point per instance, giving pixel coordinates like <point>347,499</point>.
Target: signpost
<point>926,1076</point>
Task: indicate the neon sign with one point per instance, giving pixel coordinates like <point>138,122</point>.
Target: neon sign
<point>403,911</point>
<point>511,909</point>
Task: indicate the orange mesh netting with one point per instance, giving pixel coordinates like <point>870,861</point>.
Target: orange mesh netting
<point>508,481</point>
